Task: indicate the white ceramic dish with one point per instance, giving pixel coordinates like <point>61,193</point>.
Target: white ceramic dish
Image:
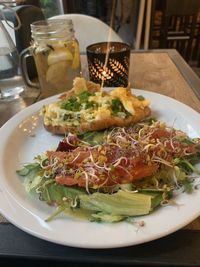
<point>24,137</point>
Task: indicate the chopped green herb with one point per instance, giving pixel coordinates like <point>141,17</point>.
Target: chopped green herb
<point>79,102</point>
<point>67,117</point>
<point>140,97</point>
<point>118,108</point>
<point>84,96</point>
<point>149,121</point>
<point>71,104</point>
<point>91,104</point>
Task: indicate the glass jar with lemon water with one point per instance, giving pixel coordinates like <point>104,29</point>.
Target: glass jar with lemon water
<point>56,55</point>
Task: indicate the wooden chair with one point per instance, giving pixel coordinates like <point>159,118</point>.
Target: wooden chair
<point>178,24</point>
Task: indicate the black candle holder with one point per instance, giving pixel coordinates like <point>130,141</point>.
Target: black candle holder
<point>108,63</point>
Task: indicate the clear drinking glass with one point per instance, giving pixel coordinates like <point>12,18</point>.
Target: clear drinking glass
<point>11,82</point>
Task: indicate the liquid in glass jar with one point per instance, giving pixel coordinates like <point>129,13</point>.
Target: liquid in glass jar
<point>56,55</point>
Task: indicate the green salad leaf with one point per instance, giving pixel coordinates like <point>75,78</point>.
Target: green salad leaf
<point>120,203</point>
<point>31,175</point>
<point>173,155</point>
<point>97,206</point>
<point>94,138</point>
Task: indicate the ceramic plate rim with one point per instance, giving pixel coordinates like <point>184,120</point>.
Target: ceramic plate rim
<point>8,203</point>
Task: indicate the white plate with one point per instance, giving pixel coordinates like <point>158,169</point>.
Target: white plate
<point>24,137</point>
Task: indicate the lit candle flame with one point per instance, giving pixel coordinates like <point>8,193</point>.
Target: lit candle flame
<point>104,73</point>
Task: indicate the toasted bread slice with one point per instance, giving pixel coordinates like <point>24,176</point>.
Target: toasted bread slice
<point>80,85</point>
<point>86,107</point>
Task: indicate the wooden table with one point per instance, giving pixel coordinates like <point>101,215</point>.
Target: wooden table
<point>161,71</point>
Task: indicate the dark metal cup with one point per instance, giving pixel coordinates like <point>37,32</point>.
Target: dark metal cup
<point>108,63</point>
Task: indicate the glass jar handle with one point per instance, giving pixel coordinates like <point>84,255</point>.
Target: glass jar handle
<point>23,63</point>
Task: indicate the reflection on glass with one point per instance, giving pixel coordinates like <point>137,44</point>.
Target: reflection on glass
<point>11,83</point>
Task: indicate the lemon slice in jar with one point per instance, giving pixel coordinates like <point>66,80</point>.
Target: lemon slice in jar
<point>59,54</point>
<point>57,73</point>
<point>76,59</point>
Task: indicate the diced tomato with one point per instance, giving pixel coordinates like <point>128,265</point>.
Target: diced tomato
<point>66,180</point>
<point>137,172</point>
<point>142,171</point>
<point>81,156</point>
<point>58,154</point>
<point>119,175</point>
<point>161,133</point>
<point>191,149</point>
<point>69,181</point>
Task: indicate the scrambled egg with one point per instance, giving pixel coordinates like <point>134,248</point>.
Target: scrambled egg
<point>55,115</point>
<point>129,101</point>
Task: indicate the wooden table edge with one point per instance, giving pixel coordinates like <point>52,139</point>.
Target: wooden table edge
<point>186,71</point>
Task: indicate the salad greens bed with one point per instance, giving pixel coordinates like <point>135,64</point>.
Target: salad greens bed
<point>116,174</point>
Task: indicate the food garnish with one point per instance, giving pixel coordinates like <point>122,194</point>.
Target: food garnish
<point>87,107</point>
<point>115,174</point>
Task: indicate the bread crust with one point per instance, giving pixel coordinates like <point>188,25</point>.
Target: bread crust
<point>80,85</point>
